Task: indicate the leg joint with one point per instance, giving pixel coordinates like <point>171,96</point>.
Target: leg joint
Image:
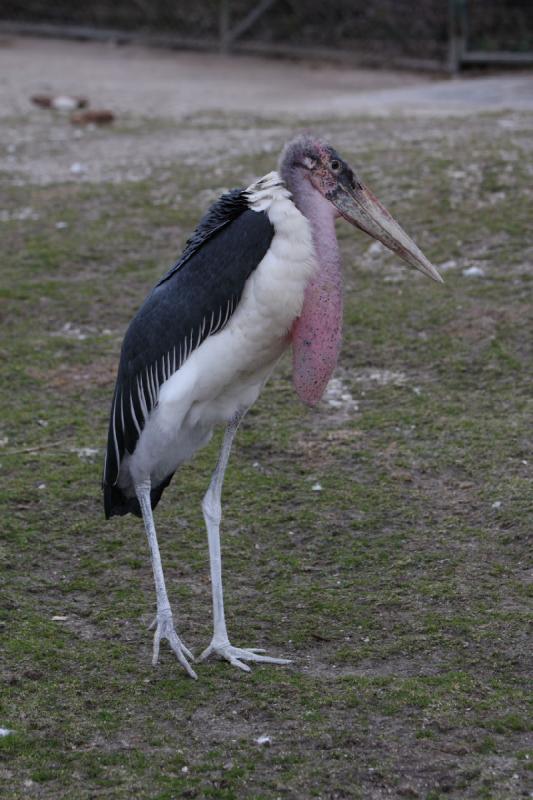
<point>212,508</point>
<point>143,486</point>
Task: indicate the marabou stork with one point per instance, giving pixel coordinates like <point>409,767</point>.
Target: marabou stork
<point>262,271</point>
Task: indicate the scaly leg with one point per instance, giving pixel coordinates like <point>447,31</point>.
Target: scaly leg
<point>212,509</point>
<point>163,622</point>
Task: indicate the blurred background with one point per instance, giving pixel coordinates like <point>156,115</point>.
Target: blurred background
<point>431,34</point>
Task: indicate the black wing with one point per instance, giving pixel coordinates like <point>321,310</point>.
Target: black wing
<point>194,300</point>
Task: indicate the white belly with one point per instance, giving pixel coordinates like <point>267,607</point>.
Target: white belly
<point>227,372</point>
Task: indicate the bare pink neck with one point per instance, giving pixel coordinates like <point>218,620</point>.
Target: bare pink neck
<point>321,214</point>
<point>317,333</point>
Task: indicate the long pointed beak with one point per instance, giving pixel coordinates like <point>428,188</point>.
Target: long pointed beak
<point>360,207</point>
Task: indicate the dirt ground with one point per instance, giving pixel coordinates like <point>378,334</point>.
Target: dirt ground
<point>382,541</point>
<point>158,91</point>
<point>174,84</point>
<point>166,84</point>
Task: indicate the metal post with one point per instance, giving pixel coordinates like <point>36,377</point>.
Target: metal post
<point>457,18</point>
<point>223,25</point>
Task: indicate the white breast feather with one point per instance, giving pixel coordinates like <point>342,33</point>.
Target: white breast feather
<point>228,369</point>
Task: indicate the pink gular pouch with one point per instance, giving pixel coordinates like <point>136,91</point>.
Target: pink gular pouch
<point>326,188</point>
<point>317,335</point>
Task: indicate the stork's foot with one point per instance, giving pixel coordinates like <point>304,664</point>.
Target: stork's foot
<point>164,629</point>
<point>238,655</point>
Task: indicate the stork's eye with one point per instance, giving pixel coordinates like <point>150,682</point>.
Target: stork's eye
<point>335,165</point>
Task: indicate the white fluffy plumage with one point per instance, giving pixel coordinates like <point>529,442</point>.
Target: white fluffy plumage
<point>227,371</point>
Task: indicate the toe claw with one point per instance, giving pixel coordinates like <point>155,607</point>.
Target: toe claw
<point>187,667</point>
<point>240,664</point>
<point>268,659</point>
<point>206,653</point>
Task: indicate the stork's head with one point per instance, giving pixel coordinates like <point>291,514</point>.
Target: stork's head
<point>312,160</point>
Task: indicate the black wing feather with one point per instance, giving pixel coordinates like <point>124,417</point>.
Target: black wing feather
<point>194,300</point>
<point>227,208</point>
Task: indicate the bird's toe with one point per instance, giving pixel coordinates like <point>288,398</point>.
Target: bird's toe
<point>240,664</point>
<point>237,656</point>
<point>165,630</point>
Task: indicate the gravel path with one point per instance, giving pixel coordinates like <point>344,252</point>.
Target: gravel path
<point>190,108</point>
<point>170,84</point>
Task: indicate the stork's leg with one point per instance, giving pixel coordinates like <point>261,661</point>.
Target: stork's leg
<point>212,509</point>
<point>163,623</point>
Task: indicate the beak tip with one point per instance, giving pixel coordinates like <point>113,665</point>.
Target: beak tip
<point>428,269</point>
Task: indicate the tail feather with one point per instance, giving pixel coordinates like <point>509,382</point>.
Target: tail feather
<point>116,504</point>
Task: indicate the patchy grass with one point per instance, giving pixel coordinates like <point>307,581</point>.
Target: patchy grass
<point>400,590</point>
